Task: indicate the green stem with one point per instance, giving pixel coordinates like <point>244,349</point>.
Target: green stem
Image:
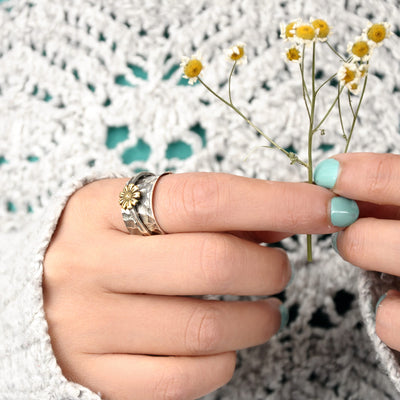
<point>305,89</point>
<point>356,114</point>
<point>310,137</point>
<point>328,80</point>
<point>229,85</point>
<point>337,53</point>
<point>329,111</point>
<point>252,125</point>
<point>350,104</point>
<point>340,114</point>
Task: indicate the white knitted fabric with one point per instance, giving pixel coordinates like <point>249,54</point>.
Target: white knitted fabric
<point>91,89</point>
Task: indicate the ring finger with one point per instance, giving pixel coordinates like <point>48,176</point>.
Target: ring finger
<point>185,264</point>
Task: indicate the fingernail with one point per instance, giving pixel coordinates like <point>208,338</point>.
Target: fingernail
<point>343,211</point>
<point>291,276</point>
<point>326,173</point>
<point>334,241</point>
<point>284,317</point>
<point>380,301</point>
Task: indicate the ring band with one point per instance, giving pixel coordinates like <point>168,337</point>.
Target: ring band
<point>136,201</point>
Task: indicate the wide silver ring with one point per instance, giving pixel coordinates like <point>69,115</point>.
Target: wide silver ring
<point>136,201</point>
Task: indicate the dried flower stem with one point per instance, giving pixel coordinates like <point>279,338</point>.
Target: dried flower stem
<point>340,114</point>
<point>293,158</point>
<point>338,54</point>
<point>229,84</point>
<point>310,137</point>
<point>356,114</point>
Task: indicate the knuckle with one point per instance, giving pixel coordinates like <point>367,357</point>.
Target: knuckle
<point>352,245</point>
<point>170,385</point>
<point>203,332</point>
<point>60,264</point>
<point>380,176</point>
<point>201,198</point>
<point>296,211</point>
<point>217,254</point>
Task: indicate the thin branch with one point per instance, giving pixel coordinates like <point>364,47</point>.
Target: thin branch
<point>230,77</point>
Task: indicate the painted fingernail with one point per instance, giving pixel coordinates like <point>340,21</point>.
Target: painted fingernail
<point>284,317</point>
<point>380,301</point>
<point>343,211</point>
<point>334,241</point>
<point>291,276</point>
<point>326,173</point>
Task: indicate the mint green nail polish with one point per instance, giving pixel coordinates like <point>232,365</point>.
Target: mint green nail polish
<point>326,173</point>
<point>334,241</point>
<point>284,317</point>
<point>379,302</point>
<point>291,276</point>
<point>343,211</point>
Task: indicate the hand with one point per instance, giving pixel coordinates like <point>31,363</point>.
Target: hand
<point>115,301</point>
<point>372,242</point>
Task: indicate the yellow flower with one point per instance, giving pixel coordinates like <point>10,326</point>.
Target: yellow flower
<point>322,29</point>
<point>236,53</point>
<point>192,67</point>
<point>349,75</point>
<point>304,33</point>
<point>361,48</point>
<point>377,32</point>
<point>293,54</point>
<point>287,31</point>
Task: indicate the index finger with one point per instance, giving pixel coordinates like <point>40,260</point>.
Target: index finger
<point>217,202</point>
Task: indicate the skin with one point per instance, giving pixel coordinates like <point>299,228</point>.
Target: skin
<point>119,313</point>
<point>373,241</point>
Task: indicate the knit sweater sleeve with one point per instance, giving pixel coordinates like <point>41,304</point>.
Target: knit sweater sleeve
<point>372,285</point>
<point>28,367</point>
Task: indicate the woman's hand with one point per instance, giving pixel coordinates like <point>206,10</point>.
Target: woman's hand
<point>372,242</point>
<point>115,303</point>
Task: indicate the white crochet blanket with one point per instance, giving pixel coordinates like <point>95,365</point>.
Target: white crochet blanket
<point>91,88</point>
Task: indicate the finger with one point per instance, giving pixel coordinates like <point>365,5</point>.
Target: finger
<point>378,210</point>
<point>163,325</point>
<point>222,202</point>
<point>126,377</point>
<point>388,319</point>
<point>359,242</point>
<point>262,237</point>
<point>369,177</point>
<point>185,264</point>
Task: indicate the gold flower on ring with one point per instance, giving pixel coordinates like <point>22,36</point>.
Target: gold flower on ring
<point>129,197</point>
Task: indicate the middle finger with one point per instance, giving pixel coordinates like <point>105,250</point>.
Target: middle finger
<point>186,264</point>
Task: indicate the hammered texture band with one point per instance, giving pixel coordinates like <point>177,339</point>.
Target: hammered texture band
<point>136,202</point>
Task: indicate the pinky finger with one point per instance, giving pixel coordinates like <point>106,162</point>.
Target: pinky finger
<point>126,376</point>
<point>388,319</point>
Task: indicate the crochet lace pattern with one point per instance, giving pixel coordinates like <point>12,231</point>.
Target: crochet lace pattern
<point>93,88</point>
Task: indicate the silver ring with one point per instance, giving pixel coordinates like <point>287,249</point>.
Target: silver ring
<point>136,201</point>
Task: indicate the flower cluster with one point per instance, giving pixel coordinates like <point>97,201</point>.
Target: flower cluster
<point>193,66</point>
<point>298,33</point>
<point>360,50</point>
<point>303,37</point>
